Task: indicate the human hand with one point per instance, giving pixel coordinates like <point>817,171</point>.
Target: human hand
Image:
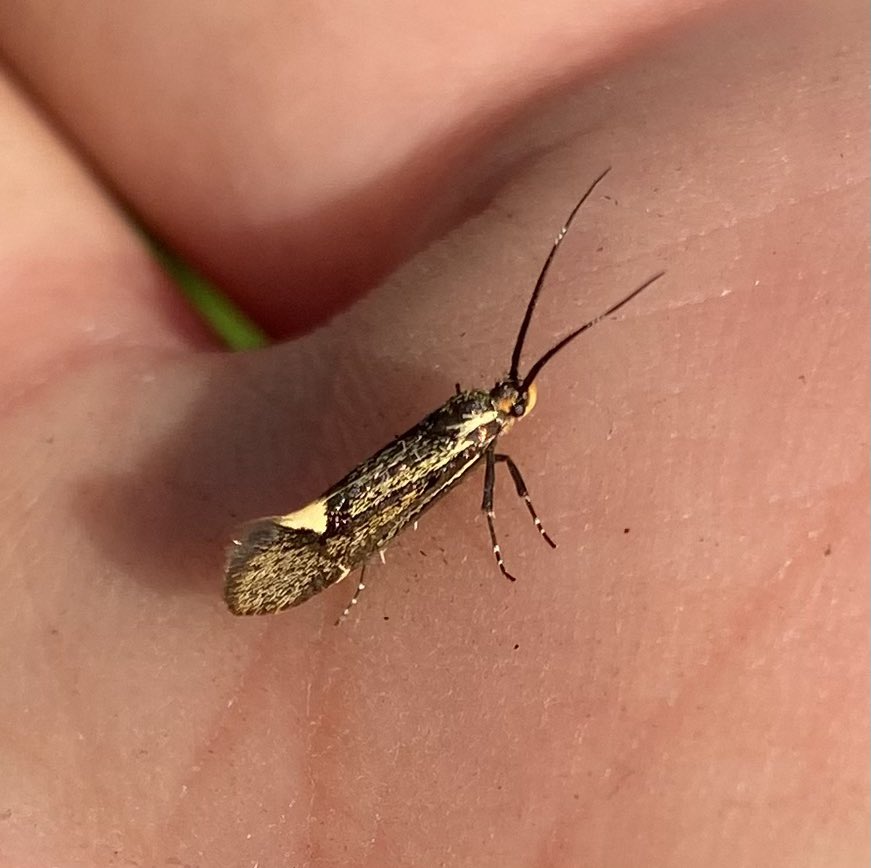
<point>690,692</point>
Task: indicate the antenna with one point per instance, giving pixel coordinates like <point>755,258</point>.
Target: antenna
<point>535,370</point>
<point>513,374</point>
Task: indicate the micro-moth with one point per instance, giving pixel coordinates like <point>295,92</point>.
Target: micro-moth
<point>283,560</point>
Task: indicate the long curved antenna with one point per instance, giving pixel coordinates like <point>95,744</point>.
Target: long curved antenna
<point>535,370</point>
<point>527,318</point>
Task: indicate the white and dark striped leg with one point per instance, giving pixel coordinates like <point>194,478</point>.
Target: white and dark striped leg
<point>520,485</point>
<point>360,587</point>
<point>490,458</point>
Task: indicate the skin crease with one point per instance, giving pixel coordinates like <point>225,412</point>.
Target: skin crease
<point>684,680</point>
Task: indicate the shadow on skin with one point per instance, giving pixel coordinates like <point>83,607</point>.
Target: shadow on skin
<point>252,444</point>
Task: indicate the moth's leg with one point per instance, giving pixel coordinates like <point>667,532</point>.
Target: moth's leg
<point>360,587</point>
<point>487,506</point>
<point>520,485</point>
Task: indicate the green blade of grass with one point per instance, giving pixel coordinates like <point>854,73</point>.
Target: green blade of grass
<point>235,329</point>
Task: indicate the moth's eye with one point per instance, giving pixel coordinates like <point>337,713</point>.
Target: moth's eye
<point>519,408</point>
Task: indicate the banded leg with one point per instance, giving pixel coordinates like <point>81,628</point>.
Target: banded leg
<point>490,458</point>
<point>520,485</point>
<point>360,587</point>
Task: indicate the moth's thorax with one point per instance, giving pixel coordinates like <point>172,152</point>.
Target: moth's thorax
<point>479,416</point>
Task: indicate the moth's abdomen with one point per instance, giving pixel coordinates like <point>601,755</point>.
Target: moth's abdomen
<point>271,567</point>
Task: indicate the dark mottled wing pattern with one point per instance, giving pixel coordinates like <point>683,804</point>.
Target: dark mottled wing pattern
<point>272,566</point>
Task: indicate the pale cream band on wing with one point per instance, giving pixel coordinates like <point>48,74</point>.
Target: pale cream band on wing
<point>311,517</point>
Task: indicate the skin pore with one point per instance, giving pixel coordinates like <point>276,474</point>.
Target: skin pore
<point>684,680</point>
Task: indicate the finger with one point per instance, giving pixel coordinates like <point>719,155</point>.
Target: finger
<point>76,276</point>
<point>296,153</point>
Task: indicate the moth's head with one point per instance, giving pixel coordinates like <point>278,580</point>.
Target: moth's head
<point>512,400</point>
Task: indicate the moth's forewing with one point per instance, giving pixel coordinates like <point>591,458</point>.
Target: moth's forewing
<point>283,560</point>
<point>271,567</point>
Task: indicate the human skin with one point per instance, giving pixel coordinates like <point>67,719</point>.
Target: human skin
<point>684,680</point>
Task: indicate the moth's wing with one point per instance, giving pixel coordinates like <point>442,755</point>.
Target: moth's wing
<point>271,567</point>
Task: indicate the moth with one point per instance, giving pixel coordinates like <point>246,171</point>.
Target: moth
<point>283,560</point>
